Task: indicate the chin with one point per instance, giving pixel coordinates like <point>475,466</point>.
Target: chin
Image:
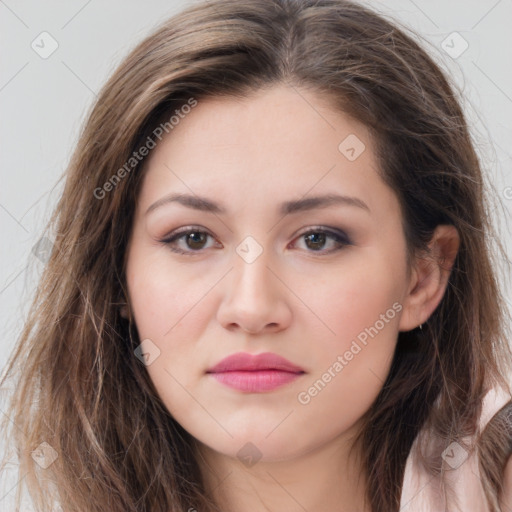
<point>250,449</point>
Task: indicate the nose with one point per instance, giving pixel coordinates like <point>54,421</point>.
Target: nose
<point>255,298</point>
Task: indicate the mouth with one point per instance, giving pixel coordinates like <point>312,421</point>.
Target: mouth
<point>255,373</point>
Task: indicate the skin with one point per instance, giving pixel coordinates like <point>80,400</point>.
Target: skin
<point>296,299</point>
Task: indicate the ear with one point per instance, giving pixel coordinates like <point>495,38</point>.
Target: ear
<point>123,311</point>
<point>429,278</point>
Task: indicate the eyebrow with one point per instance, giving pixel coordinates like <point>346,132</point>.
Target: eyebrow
<point>289,207</point>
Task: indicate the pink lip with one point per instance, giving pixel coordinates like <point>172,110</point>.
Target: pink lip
<point>255,373</point>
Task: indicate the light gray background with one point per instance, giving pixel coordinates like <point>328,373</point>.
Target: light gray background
<point>43,103</point>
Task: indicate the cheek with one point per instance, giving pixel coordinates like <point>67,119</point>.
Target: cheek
<point>171,307</point>
<point>361,309</point>
<point>353,297</point>
<point>166,305</point>
<point>163,296</point>
<point>350,368</point>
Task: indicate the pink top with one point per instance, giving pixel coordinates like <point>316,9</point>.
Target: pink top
<point>423,493</point>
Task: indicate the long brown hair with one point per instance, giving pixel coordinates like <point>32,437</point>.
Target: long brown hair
<point>83,391</point>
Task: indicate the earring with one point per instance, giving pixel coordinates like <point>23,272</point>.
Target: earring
<point>421,327</point>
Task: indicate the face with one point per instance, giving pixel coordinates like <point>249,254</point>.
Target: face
<point>260,266</point>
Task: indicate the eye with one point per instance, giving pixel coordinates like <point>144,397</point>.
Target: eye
<point>316,239</point>
<point>193,238</point>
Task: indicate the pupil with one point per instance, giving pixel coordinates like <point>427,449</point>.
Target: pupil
<point>315,236</point>
<point>191,237</point>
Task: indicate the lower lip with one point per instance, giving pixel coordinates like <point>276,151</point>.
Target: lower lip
<point>255,381</point>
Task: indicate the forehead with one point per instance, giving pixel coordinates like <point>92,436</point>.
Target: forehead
<point>276,144</point>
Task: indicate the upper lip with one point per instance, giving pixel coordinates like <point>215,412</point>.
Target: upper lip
<point>244,361</point>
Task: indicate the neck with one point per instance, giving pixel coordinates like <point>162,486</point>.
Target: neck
<point>325,478</point>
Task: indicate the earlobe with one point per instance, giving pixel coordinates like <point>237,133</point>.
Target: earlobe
<point>123,311</point>
<point>429,278</point>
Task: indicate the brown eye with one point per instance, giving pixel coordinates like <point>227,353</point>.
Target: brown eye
<point>192,240</point>
<point>196,239</point>
<point>316,240</point>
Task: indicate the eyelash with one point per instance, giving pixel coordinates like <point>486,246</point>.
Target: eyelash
<point>340,238</point>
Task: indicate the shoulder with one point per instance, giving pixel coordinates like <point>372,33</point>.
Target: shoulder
<point>506,493</point>
<point>422,492</point>
<point>502,426</point>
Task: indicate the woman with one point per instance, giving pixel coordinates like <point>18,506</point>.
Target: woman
<point>271,285</point>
